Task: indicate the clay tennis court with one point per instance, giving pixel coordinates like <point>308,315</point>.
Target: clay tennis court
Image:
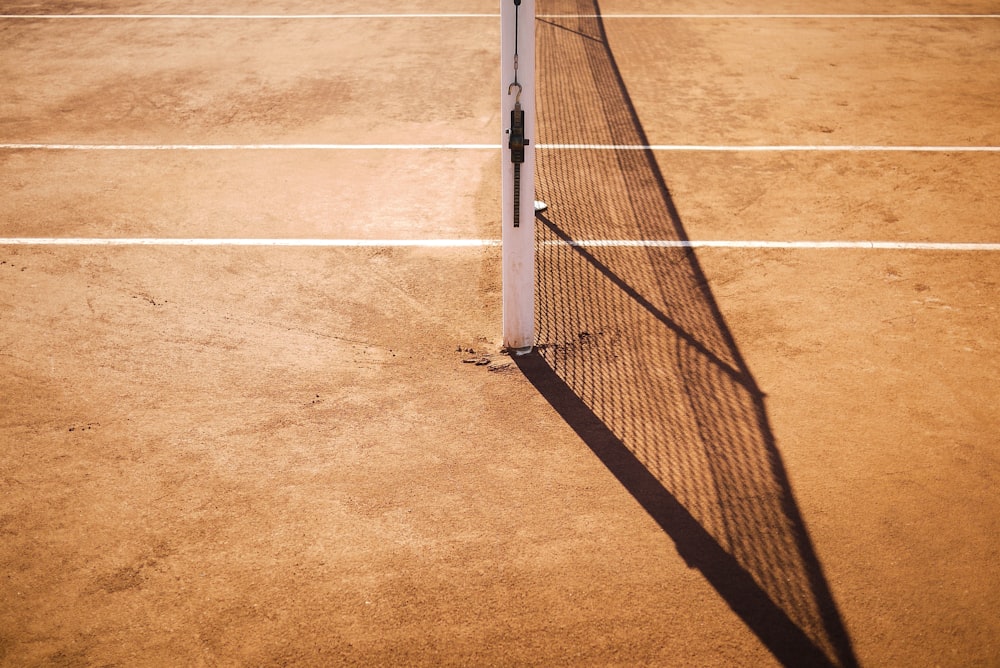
<point>256,409</point>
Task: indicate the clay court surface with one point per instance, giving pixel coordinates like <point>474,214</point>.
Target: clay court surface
<point>318,454</point>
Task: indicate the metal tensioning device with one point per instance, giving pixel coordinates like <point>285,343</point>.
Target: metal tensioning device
<point>517,140</point>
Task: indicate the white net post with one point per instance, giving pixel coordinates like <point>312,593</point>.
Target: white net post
<point>517,35</point>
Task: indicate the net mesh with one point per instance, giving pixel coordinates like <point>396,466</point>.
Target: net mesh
<point>640,355</point>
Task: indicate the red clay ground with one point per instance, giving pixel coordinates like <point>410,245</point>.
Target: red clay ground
<point>278,456</point>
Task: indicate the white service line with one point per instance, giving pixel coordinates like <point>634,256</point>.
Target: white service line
<point>247,147</point>
<point>272,17</point>
<point>307,243</point>
<point>790,245</point>
<point>253,17</point>
<point>769,16</point>
<point>486,147</point>
<point>480,243</point>
<point>732,148</point>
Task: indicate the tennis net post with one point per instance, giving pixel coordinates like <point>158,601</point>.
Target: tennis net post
<point>517,106</point>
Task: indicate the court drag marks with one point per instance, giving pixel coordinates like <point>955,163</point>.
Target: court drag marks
<point>260,455</point>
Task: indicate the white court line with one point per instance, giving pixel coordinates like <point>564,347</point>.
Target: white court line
<point>793,147</point>
<point>272,17</point>
<point>307,243</point>
<point>247,147</point>
<point>790,245</point>
<point>252,17</point>
<point>480,243</point>
<point>769,16</point>
<point>482,147</point>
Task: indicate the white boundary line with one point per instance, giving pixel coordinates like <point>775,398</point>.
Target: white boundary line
<point>307,243</point>
<point>272,17</point>
<point>793,147</point>
<point>770,16</point>
<point>789,245</point>
<point>252,17</point>
<point>484,147</point>
<point>246,147</point>
<point>481,243</point>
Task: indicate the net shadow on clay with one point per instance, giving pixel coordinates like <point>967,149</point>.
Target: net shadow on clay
<point>635,355</point>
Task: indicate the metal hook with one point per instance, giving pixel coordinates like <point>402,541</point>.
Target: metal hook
<point>517,100</point>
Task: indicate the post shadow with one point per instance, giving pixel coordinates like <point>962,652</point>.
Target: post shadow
<point>636,357</point>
